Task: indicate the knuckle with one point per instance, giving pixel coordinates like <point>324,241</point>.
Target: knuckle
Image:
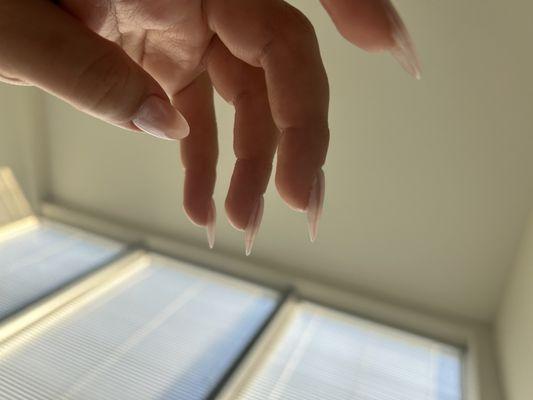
<point>300,28</point>
<point>291,34</point>
<point>102,84</point>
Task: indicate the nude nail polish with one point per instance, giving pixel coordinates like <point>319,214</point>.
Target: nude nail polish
<point>211,224</point>
<point>253,225</point>
<point>315,205</point>
<point>404,50</point>
<point>160,119</point>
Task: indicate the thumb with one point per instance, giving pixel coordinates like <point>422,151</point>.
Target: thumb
<point>44,46</point>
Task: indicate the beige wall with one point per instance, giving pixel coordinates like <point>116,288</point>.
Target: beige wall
<point>22,145</point>
<point>11,149</point>
<point>428,183</point>
<point>515,325</point>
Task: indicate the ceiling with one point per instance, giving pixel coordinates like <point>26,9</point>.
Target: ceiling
<point>428,183</point>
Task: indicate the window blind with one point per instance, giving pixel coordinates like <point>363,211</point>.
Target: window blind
<point>169,331</point>
<point>327,355</point>
<point>39,260</point>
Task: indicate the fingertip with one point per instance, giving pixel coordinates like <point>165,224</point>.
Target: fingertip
<point>246,215</point>
<point>237,212</point>
<point>249,182</point>
<point>158,118</point>
<point>198,212</point>
<point>203,216</point>
<point>295,196</point>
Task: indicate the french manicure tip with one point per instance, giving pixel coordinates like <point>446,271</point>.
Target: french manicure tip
<point>313,232</point>
<point>315,205</point>
<point>157,117</point>
<point>404,49</point>
<point>249,244</point>
<point>211,225</point>
<point>408,62</point>
<point>254,223</point>
<point>210,237</point>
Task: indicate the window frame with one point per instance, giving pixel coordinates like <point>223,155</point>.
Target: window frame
<point>480,380</point>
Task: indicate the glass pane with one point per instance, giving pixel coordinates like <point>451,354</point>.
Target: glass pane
<point>328,355</point>
<point>38,261</point>
<point>169,331</point>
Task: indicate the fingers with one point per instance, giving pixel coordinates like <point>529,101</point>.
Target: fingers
<point>44,46</point>
<point>255,137</point>
<point>275,36</point>
<point>374,25</point>
<point>199,153</point>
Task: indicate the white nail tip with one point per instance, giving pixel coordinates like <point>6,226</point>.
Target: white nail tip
<point>211,224</point>
<point>160,119</point>
<point>253,225</point>
<point>404,49</point>
<point>315,205</point>
<point>406,57</point>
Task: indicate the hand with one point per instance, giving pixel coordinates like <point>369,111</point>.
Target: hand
<point>135,63</point>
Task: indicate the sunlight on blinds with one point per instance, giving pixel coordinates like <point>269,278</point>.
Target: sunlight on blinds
<point>13,204</point>
<point>328,355</point>
<point>44,257</point>
<point>169,331</point>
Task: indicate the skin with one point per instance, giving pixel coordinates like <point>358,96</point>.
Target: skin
<point>106,56</point>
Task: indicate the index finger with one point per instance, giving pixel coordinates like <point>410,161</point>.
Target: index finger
<point>275,36</point>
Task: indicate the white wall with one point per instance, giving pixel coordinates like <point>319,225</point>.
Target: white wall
<point>515,325</point>
<point>428,183</point>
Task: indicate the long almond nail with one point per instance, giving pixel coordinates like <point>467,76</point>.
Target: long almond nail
<point>253,225</point>
<point>404,50</point>
<point>315,205</point>
<point>159,118</point>
<point>211,224</point>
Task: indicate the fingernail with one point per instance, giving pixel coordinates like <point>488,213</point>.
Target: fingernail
<point>404,50</point>
<point>315,205</point>
<point>159,118</point>
<point>211,224</point>
<point>253,225</point>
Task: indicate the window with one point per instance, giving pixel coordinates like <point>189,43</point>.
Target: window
<point>42,257</point>
<point>76,324</point>
<point>328,355</point>
<point>173,331</point>
<point>168,331</point>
